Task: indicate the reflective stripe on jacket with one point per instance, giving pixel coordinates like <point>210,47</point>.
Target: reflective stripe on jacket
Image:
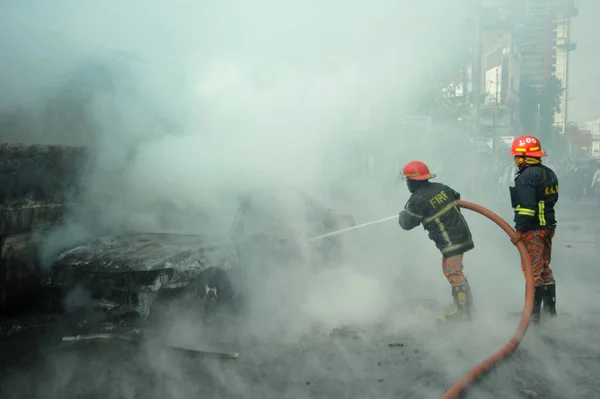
<point>434,206</point>
<point>533,198</point>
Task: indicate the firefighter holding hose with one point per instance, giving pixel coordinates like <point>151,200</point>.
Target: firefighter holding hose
<point>533,198</point>
<point>434,206</point>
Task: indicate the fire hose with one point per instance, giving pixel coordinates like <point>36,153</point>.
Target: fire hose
<point>482,368</point>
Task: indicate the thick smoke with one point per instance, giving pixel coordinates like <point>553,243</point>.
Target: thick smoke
<point>187,104</point>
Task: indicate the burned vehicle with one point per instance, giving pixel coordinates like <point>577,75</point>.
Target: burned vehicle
<point>123,274</point>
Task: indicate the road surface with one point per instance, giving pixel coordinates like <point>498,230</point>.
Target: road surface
<point>399,354</point>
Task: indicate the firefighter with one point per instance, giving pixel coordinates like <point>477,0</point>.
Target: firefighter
<point>533,198</point>
<point>434,206</point>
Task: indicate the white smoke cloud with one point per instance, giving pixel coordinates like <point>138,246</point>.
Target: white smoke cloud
<point>185,103</point>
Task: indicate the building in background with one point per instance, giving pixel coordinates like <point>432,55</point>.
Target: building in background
<point>500,66</point>
<point>565,10</point>
<point>595,146</point>
<point>516,67</point>
<point>580,143</point>
<point>544,34</point>
<point>593,127</point>
<point>496,60</point>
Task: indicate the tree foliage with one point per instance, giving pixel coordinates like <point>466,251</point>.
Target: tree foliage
<point>439,101</point>
<point>548,101</point>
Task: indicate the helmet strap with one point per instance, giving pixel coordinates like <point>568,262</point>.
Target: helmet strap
<point>414,185</point>
<point>522,160</point>
<point>533,160</point>
<point>519,161</point>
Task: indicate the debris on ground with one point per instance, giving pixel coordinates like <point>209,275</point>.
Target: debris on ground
<point>345,332</point>
<point>190,351</point>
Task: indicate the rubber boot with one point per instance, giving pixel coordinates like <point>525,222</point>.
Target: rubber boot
<point>537,304</point>
<point>462,303</point>
<point>549,299</point>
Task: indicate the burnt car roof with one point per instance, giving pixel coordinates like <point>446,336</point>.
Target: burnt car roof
<point>136,251</point>
<point>142,251</point>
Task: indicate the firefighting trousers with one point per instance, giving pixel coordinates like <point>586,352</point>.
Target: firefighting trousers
<point>539,248</point>
<point>453,270</point>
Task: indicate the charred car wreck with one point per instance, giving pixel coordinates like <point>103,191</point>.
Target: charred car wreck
<point>123,274</point>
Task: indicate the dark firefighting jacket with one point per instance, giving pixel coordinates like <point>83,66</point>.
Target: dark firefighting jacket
<point>533,198</point>
<point>434,206</point>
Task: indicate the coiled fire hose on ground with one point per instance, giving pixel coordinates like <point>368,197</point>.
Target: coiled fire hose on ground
<point>476,372</point>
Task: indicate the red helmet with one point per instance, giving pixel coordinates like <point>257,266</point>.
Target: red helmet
<point>527,146</point>
<point>416,170</point>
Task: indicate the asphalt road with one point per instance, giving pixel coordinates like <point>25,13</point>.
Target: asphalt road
<point>284,354</point>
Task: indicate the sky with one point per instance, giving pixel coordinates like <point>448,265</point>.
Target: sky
<point>585,62</point>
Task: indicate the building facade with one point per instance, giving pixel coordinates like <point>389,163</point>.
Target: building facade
<point>544,34</point>
<point>593,126</point>
<point>499,78</point>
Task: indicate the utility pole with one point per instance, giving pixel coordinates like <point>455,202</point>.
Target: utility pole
<point>476,68</point>
<point>496,105</point>
<point>539,131</point>
<point>569,47</point>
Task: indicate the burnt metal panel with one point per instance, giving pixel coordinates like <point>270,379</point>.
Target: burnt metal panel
<point>39,173</point>
<point>28,217</point>
<point>37,182</point>
<point>19,272</point>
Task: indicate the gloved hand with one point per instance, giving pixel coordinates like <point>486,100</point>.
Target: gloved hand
<point>516,237</point>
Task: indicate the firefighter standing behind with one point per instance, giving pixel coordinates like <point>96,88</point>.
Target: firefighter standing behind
<point>533,198</point>
<point>434,205</point>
